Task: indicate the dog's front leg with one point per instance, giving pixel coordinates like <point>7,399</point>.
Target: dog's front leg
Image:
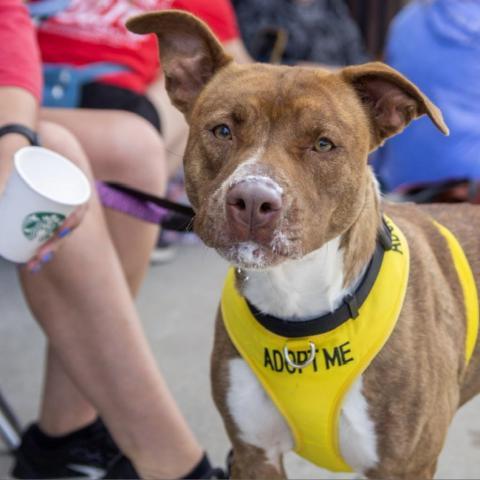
<point>258,433</point>
<point>252,462</point>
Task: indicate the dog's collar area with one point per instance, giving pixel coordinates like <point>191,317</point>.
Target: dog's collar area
<point>348,309</point>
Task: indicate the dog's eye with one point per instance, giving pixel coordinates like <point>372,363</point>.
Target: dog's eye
<point>222,132</point>
<point>323,144</point>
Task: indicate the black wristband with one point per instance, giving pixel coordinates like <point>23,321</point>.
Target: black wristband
<point>28,133</point>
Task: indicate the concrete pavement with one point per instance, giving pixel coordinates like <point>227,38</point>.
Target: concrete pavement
<point>177,306</point>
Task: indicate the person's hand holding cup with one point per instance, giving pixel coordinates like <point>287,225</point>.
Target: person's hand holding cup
<point>45,198</point>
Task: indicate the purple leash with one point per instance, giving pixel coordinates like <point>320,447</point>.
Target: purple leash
<point>152,209</point>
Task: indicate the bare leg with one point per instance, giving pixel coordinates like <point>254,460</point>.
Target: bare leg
<point>63,408</point>
<point>174,126</point>
<point>84,305</point>
<point>129,151</point>
<point>134,240</point>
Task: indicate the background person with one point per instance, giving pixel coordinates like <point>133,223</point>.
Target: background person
<point>437,45</point>
<point>99,362</point>
<point>299,31</point>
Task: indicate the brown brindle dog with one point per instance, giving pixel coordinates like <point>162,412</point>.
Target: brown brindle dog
<point>276,170</point>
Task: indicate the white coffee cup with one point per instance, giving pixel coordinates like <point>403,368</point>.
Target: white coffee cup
<point>43,189</point>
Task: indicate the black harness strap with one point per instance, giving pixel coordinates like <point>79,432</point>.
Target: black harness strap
<point>348,309</point>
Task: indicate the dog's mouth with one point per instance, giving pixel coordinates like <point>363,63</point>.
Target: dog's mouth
<point>251,255</point>
<point>248,255</point>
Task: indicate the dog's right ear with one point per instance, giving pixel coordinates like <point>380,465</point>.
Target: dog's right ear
<point>391,100</point>
<point>189,52</point>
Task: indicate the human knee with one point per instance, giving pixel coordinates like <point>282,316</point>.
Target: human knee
<point>60,140</point>
<point>142,154</point>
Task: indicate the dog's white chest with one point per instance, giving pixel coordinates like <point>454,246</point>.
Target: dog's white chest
<point>260,423</point>
<point>358,440</point>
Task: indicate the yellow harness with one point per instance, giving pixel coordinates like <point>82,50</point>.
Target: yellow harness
<point>307,377</point>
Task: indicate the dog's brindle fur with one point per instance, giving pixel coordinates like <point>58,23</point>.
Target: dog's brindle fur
<point>275,113</point>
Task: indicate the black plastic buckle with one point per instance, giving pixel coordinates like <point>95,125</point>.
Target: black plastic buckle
<point>352,305</point>
<point>384,236</point>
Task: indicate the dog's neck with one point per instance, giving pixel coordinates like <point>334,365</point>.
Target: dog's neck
<point>317,283</point>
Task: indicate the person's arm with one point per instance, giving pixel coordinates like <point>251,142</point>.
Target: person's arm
<point>20,107</point>
<point>20,79</point>
<point>20,97</point>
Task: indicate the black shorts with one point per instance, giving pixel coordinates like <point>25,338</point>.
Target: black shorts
<point>110,97</point>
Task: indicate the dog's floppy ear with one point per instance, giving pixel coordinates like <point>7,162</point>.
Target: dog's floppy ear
<point>392,100</point>
<point>189,52</point>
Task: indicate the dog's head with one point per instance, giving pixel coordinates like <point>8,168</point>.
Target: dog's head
<point>276,162</point>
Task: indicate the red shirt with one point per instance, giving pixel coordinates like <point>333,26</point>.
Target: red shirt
<point>94,31</point>
<point>19,56</point>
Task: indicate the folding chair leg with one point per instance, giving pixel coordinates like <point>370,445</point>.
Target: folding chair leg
<point>10,428</point>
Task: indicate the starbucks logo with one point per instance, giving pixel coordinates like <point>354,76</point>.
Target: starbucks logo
<point>41,225</point>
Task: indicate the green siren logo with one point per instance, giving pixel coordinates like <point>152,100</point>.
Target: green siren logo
<point>40,225</point>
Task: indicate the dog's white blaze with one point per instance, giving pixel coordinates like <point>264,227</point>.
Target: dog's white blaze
<point>358,440</point>
<point>257,419</point>
<point>247,172</point>
<point>256,179</point>
<point>245,168</point>
<point>300,288</point>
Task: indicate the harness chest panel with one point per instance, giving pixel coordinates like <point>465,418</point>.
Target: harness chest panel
<point>310,398</point>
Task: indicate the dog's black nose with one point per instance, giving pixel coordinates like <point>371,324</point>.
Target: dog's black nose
<point>253,206</point>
